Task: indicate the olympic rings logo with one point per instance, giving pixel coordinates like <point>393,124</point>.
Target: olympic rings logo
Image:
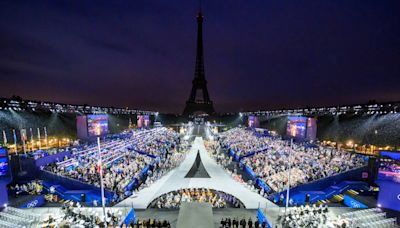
<point>32,204</point>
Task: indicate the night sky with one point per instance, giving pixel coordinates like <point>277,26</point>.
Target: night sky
<point>258,54</point>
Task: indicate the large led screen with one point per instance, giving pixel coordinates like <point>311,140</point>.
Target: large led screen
<point>3,152</point>
<point>140,121</point>
<point>97,125</point>
<point>146,121</point>
<point>389,180</point>
<point>3,162</point>
<point>389,167</point>
<point>3,166</point>
<point>253,122</point>
<point>311,129</point>
<point>296,127</point>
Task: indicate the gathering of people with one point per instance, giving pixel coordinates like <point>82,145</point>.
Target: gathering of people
<point>241,223</point>
<point>163,167</point>
<point>123,159</point>
<point>34,187</point>
<point>120,164</point>
<point>306,163</point>
<point>74,215</point>
<point>217,199</point>
<point>243,141</point>
<point>304,216</point>
<point>148,223</point>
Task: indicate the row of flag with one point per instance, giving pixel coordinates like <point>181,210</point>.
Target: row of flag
<point>24,136</point>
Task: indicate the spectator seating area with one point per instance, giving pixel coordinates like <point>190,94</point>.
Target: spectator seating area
<point>216,198</point>
<point>270,158</point>
<point>12,217</point>
<point>77,216</point>
<point>123,159</point>
<point>373,217</point>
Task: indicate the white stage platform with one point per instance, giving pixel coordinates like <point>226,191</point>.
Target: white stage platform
<point>175,180</point>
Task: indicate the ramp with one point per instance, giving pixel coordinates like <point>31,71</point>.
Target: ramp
<point>195,214</point>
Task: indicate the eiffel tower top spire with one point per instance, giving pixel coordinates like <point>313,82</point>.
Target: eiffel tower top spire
<point>199,69</point>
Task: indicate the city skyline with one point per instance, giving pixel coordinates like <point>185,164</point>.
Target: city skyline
<point>258,55</point>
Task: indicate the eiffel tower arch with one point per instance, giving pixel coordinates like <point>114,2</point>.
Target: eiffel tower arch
<point>199,104</point>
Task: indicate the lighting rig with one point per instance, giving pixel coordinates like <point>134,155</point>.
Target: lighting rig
<point>370,109</point>
<point>32,106</point>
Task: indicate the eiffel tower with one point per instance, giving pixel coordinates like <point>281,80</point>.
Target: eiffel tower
<point>201,104</point>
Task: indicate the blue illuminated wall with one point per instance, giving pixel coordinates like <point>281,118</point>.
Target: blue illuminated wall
<point>4,177</point>
<point>389,195</point>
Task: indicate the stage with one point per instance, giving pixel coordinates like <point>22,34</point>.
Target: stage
<point>219,180</point>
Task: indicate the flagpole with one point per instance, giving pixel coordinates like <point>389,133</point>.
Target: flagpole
<point>5,138</point>
<point>38,137</point>
<point>288,186</point>
<point>101,181</point>
<point>15,141</point>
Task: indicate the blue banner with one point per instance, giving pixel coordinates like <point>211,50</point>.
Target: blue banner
<point>261,183</point>
<point>144,171</point>
<point>144,153</point>
<point>261,218</point>
<point>37,202</point>
<point>130,216</point>
<point>352,203</point>
<point>249,171</point>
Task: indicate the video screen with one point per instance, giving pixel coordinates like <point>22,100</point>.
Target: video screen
<point>253,122</point>
<point>311,129</point>
<point>389,166</point>
<point>3,152</point>
<point>389,180</point>
<point>146,121</point>
<point>296,127</point>
<point>97,125</point>
<point>3,166</point>
<point>140,121</point>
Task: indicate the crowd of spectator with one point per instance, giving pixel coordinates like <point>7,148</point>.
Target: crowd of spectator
<point>243,141</point>
<point>163,167</point>
<point>304,216</point>
<point>34,187</point>
<point>308,163</point>
<point>241,223</point>
<point>217,199</point>
<point>120,160</point>
<point>148,223</point>
<point>77,216</point>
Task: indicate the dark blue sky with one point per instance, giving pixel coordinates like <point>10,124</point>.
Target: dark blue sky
<point>258,54</point>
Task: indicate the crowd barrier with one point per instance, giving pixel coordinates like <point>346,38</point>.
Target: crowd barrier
<point>254,153</point>
<point>44,161</point>
<point>142,152</point>
<point>263,185</point>
<point>135,182</point>
<point>234,155</point>
<point>130,216</point>
<point>261,218</point>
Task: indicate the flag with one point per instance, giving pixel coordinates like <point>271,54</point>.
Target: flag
<point>99,166</point>
<point>4,138</point>
<point>15,136</point>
